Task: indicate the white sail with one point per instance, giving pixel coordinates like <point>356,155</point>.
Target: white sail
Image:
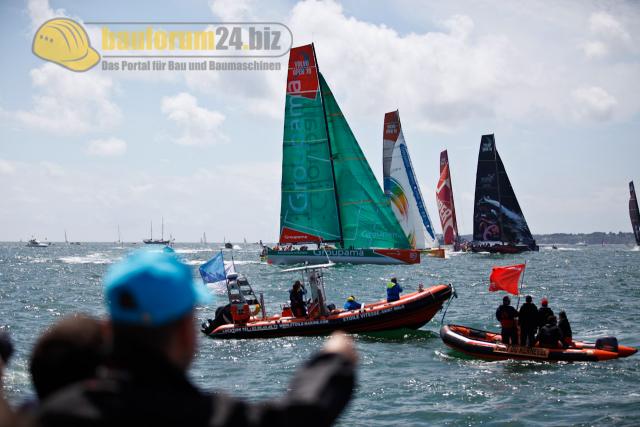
<point>401,186</point>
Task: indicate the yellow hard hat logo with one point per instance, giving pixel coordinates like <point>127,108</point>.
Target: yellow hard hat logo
<point>64,42</point>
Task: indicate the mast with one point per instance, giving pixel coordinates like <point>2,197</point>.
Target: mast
<point>495,163</point>
<point>151,229</point>
<point>162,233</point>
<point>326,127</point>
<point>634,213</point>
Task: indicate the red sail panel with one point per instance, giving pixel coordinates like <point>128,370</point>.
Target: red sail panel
<point>289,235</point>
<point>446,206</point>
<point>302,77</point>
<point>391,126</point>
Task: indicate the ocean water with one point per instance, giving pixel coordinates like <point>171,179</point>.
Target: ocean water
<point>407,378</point>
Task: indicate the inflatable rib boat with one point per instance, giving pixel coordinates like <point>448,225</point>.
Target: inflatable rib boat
<point>488,345</point>
<point>411,311</point>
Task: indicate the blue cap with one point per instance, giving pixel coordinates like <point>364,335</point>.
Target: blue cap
<point>151,288</point>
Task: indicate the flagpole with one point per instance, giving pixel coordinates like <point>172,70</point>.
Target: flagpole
<point>521,282</point>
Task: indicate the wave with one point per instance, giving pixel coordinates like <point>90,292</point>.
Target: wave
<point>95,258</point>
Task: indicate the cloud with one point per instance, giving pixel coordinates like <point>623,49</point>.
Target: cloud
<point>69,103</point>
<point>7,167</point>
<point>95,209</point>
<point>198,125</point>
<point>40,11</point>
<point>595,49</point>
<point>594,103</point>
<point>232,10</point>
<point>52,169</point>
<point>607,26</point>
<point>111,147</point>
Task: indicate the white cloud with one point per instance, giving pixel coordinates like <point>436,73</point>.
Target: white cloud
<point>595,49</point>
<point>239,207</point>
<point>594,103</point>
<point>7,167</point>
<point>198,125</point>
<point>69,103</point>
<point>111,147</point>
<point>606,25</point>
<point>40,11</point>
<point>232,10</point>
<point>52,169</point>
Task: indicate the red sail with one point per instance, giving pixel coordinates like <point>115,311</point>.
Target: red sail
<point>446,207</point>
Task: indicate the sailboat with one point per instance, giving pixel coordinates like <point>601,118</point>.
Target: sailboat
<point>329,192</point>
<point>401,186</point>
<point>634,213</point>
<point>66,240</point>
<point>160,241</point>
<point>499,225</point>
<point>446,207</point>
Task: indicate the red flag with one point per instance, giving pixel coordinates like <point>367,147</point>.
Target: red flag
<point>506,278</point>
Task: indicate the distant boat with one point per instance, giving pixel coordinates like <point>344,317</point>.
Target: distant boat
<point>401,186</point>
<point>634,213</point>
<point>329,192</point>
<point>161,240</point>
<point>499,225</point>
<point>35,243</point>
<point>446,207</point>
<point>67,240</point>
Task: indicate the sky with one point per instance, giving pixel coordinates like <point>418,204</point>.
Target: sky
<point>558,83</point>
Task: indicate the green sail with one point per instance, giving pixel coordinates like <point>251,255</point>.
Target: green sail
<point>367,218</point>
<point>308,211</point>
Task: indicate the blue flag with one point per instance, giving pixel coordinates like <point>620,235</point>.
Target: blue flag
<point>213,270</point>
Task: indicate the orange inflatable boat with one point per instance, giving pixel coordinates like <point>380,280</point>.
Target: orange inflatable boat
<point>411,311</point>
<point>488,345</point>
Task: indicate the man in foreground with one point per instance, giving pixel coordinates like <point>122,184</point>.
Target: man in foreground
<point>150,298</point>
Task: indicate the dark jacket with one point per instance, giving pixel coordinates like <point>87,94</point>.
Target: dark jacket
<point>297,302</point>
<point>506,315</point>
<point>565,328</point>
<point>528,316</point>
<point>549,336</point>
<point>150,392</point>
<point>543,315</point>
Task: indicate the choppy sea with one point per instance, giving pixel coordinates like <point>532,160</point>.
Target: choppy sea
<point>407,378</point>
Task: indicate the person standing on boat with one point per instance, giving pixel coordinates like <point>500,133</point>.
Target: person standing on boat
<point>296,296</point>
<point>507,315</point>
<point>565,328</point>
<point>393,290</point>
<point>543,313</point>
<point>528,320</point>
<point>151,299</point>
<point>352,304</point>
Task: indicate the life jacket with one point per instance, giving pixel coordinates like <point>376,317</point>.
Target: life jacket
<point>393,292</point>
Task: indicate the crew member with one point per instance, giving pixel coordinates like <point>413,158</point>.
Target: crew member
<point>565,328</point>
<point>550,335</point>
<point>528,320</point>
<point>506,315</point>
<point>352,304</point>
<point>393,290</point>
<point>544,312</point>
<point>296,296</point>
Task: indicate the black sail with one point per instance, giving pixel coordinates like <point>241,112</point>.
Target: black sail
<point>634,213</point>
<point>497,216</point>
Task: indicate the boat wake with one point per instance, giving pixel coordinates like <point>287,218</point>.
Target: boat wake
<point>96,258</point>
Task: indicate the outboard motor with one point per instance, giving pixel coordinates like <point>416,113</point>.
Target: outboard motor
<point>607,344</point>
